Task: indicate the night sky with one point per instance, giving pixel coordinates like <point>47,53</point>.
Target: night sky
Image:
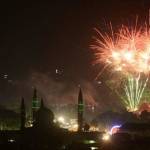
<point>47,45</point>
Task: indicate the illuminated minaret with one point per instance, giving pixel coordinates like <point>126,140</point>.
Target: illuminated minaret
<point>22,114</point>
<point>80,111</point>
<point>35,104</point>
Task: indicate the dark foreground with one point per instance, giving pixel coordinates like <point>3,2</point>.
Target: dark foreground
<point>71,141</point>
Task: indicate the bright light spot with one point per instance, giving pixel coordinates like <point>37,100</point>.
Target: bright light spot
<point>56,71</point>
<point>61,119</point>
<point>59,71</point>
<point>11,140</point>
<point>99,82</point>
<point>93,148</point>
<point>54,120</point>
<point>5,76</point>
<point>128,56</point>
<point>106,137</point>
<point>93,128</point>
<point>75,126</point>
<point>31,125</point>
<point>89,141</point>
<point>114,129</point>
<point>92,141</point>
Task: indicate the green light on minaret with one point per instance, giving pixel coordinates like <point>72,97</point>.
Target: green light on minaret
<point>35,101</point>
<point>80,107</point>
<point>35,104</point>
<point>80,102</point>
<point>80,111</point>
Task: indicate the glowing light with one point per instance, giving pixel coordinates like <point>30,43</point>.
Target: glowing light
<point>89,141</point>
<point>94,148</point>
<point>115,55</point>
<point>93,128</point>
<point>106,137</point>
<point>114,129</point>
<point>61,119</point>
<point>11,140</point>
<point>128,56</point>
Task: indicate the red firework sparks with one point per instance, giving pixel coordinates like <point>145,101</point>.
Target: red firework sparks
<point>127,50</point>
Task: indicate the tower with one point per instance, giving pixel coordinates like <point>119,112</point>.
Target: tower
<point>35,104</point>
<point>44,117</point>
<point>80,111</point>
<point>23,114</point>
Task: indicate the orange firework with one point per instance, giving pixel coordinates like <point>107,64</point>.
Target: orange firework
<point>127,50</point>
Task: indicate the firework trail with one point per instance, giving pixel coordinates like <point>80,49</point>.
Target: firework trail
<point>126,51</point>
<point>134,90</point>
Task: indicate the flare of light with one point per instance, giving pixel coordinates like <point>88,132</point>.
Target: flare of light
<point>106,137</point>
<point>61,119</point>
<point>114,129</point>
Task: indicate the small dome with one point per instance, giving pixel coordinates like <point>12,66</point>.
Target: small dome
<point>44,117</point>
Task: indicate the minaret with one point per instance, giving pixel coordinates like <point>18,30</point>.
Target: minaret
<point>80,111</point>
<point>35,104</point>
<point>22,114</point>
<point>42,103</point>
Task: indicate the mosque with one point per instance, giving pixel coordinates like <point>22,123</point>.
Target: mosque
<point>43,117</point>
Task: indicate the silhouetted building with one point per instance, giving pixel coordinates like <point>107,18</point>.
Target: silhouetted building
<point>35,104</point>
<point>23,114</point>
<point>80,111</point>
<point>44,117</point>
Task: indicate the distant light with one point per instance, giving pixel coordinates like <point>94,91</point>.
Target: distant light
<point>114,129</point>
<point>61,119</point>
<point>11,140</point>
<point>59,71</point>
<point>115,55</point>
<point>89,142</point>
<point>5,76</point>
<point>106,137</point>
<point>99,82</point>
<point>73,127</point>
<point>92,141</point>
<point>93,148</point>
<point>128,56</point>
<point>93,128</point>
<point>31,125</point>
<point>56,71</point>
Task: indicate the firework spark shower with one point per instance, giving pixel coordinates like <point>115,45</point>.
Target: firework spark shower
<point>126,51</point>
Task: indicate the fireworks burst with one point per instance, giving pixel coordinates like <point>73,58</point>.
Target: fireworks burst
<point>134,90</point>
<point>126,51</point>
